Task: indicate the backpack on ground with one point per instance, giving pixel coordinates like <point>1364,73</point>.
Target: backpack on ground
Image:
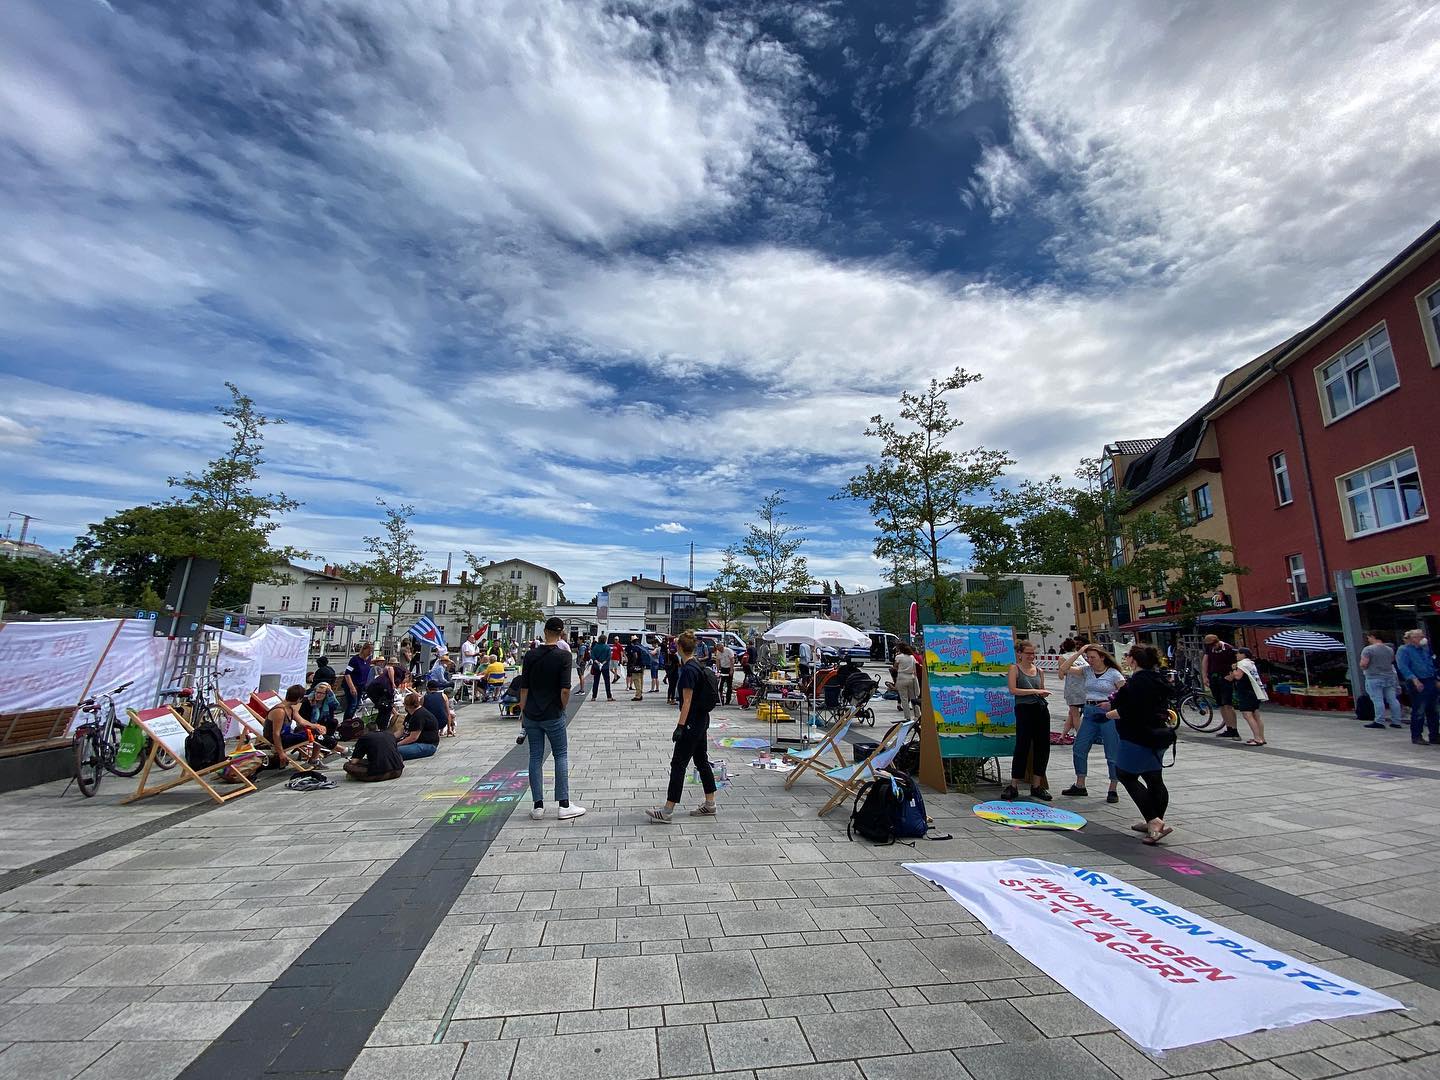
<point>1365,709</point>
<point>706,694</point>
<point>876,809</point>
<point>205,745</point>
<point>912,823</point>
<point>352,728</point>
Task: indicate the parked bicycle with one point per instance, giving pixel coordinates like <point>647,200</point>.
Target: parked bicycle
<point>97,744</point>
<point>1193,702</point>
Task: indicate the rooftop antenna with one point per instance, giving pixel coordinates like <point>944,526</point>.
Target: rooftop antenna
<point>692,566</point>
<point>662,569</point>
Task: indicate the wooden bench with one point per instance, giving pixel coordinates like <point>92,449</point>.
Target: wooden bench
<point>35,729</point>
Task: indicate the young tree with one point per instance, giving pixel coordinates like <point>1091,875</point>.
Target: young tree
<point>397,571</point>
<point>923,494</point>
<point>728,590</point>
<point>776,568</point>
<point>1166,556</point>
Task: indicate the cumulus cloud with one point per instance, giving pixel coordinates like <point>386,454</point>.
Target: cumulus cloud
<point>668,527</point>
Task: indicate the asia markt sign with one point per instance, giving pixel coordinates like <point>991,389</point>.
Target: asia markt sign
<point>1398,570</point>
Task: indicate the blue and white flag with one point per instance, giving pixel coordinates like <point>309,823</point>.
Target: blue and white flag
<point>426,630</point>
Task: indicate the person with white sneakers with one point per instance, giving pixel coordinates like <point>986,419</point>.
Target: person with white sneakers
<point>544,686</point>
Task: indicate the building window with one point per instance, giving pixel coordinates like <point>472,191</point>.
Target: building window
<point>1117,552</point>
<point>657,606</point>
<point>334,603</point>
<point>1430,312</point>
<point>315,603</point>
<point>532,591</point>
<point>1280,470</point>
<point>1203,507</point>
<point>1383,495</point>
<point>440,609</point>
<point>369,607</point>
<point>1080,603</point>
<point>1182,510</point>
<point>1107,472</point>
<point>284,603</point>
<point>624,601</point>
<point>429,607</point>
<point>1295,571</point>
<point>416,611</point>
<point>260,610</point>
<point>1358,375</point>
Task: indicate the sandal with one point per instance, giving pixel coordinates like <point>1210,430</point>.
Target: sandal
<point>1142,827</point>
<point>1255,742</point>
<point>1154,838</point>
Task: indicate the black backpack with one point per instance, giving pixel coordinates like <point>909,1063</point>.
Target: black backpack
<point>1365,709</point>
<point>205,746</point>
<point>706,694</point>
<point>877,809</point>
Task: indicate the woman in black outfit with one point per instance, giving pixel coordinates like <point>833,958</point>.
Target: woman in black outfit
<point>1032,725</point>
<point>1142,705</point>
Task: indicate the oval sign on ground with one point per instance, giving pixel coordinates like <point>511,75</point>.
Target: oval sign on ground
<point>1027,815</point>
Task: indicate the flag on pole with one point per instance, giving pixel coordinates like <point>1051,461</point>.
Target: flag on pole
<point>426,630</point>
<point>480,632</point>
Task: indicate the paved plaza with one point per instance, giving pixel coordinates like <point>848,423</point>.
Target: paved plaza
<point>416,929</point>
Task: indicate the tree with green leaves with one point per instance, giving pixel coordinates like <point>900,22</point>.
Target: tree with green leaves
<point>396,571</point>
<point>221,518</point>
<point>47,586</point>
<point>1167,557</point>
<point>924,496</point>
<point>771,547</point>
<point>728,590</point>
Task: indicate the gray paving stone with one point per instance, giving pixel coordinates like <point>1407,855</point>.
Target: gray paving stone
<point>562,985</point>
<point>651,928</point>
<point>57,1022</point>
<point>600,1055</point>
<point>156,1022</point>
<point>1308,1066</point>
<point>648,1016</point>
<point>752,1009</point>
<point>578,931</point>
<point>1121,1057</point>
<point>435,1062</point>
<point>684,1051</point>
<point>828,1070</point>
<point>1353,1057</point>
<point>48,1061</point>
<point>624,981</point>
<point>486,1061</point>
<point>702,1013</point>
<point>1061,1014</point>
<point>941,1065</point>
<point>838,1036</point>
<point>599,1020</point>
<point>941,1027</point>
<point>720,977</point>
<point>1259,1045</point>
<point>757,1044</point>
<point>520,1027</point>
<point>1051,1057</point>
<point>401,1033</point>
<point>144,1061</point>
<point>819,969</point>
<point>471,1030</point>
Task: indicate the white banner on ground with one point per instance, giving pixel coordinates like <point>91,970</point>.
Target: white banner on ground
<point>1163,976</point>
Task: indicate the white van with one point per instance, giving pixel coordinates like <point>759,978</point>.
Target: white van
<point>712,639</point>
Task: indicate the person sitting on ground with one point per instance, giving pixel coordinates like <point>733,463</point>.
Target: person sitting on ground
<point>285,727</point>
<point>375,757</point>
<point>438,705</point>
<point>322,707</point>
<point>422,729</point>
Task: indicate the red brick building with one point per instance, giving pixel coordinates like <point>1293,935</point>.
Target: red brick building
<point>1329,444</point>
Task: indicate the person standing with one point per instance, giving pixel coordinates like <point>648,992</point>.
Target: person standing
<point>635,664</point>
<point>384,684</point>
<point>617,657</point>
<point>544,686</point>
<point>1377,661</point>
<point>422,730</point>
<point>672,672</point>
<point>1102,680</point>
<point>356,678</point>
<point>1416,664</point>
<point>469,655</point>
<point>1249,693</point>
<point>1216,663</point>
<point>654,654</point>
<point>600,663</point>
<point>1072,670</point>
<point>1032,724</point>
<point>907,681</point>
<point>1141,706</point>
<point>724,658</point>
<point>699,693</point>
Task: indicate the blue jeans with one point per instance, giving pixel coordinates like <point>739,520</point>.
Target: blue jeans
<point>410,751</point>
<point>1091,730</point>
<point>536,734</point>
<point>1423,708</point>
<point>1386,696</point>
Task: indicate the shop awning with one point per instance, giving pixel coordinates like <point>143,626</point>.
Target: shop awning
<point>1247,618</point>
<point>1305,607</point>
<point>1144,626</point>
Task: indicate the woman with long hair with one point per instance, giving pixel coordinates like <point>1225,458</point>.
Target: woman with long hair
<point>1032,725</point>
<point>907,682</point>
<point>1102,680</point>
<point>1142,706</point>
<point>1249,693</point>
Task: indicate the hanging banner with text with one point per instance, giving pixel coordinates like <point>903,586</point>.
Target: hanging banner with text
<point>1164,977</point>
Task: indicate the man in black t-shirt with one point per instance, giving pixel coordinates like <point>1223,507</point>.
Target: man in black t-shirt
<point>375,757</point>
<point>544,687</point>
<point>1216,663</point>
<point>422,729</point>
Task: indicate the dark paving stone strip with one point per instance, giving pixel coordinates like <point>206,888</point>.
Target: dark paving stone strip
<point>1343,933</point>
<point>316,1017</point>
<point>1229,745</point>
<point>31,872</point>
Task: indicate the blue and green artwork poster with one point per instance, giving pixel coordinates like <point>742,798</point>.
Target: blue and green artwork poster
<point>967,668</point>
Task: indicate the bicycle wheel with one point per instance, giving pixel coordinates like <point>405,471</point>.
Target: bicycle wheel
<point>1197,712</point>
<point>163,760</point>
<point>88,763</point>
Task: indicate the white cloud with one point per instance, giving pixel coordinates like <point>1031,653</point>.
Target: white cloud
<point>668,527</point>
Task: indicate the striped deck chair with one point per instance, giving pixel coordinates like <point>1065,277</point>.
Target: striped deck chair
<point>810,757</point>
<point>848,778</point>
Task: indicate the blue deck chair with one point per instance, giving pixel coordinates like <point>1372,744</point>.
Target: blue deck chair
<point>810,757</point>
<point>849,778</point>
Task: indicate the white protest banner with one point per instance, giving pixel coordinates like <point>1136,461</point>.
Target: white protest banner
<point>1163,976</point>
<point>51,664</point>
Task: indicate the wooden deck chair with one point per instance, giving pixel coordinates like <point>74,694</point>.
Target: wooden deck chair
<point>812,757</point>
<point>303,757</point>
<point>168,729</point>
<point>849,778</point>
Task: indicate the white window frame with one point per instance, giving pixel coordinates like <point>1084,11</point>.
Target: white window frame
<point>1321,382</point>
<point>1280,466</point>
<point>284,603</point>
<point>1429,316</point>
<point>1294,563</point>
<point>1351,532</point>
<point>314,603</point>
<point>334,603</point>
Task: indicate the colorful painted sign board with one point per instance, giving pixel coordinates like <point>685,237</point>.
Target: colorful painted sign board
<point>1026,815</point>
<point>966,667</point>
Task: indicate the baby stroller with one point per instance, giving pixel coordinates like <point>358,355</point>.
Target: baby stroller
<point>855,697</point>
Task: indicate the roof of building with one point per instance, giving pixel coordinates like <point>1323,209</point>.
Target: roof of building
<point>1133,446</point>
<point>1168,460</point>
<point>527,562</point>
<point>647,583</point>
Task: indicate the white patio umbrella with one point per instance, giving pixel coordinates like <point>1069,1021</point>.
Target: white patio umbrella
<point>822,633</point>
<point>1305,642</point>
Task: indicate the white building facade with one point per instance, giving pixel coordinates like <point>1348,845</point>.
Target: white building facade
<point>1050,592</point>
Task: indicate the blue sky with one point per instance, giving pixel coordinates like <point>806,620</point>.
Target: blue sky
<point>583,280</point>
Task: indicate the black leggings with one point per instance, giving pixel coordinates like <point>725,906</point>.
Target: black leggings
<point>690,746</point>
<point>1032,737</point>
<point>1148,790</point>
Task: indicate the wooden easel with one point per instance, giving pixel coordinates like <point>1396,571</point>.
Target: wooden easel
<point>167,731</point>
<point>932,766</point>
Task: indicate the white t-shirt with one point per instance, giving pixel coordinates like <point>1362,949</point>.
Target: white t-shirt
<point>904,666</point>
<point>1102,686</point>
